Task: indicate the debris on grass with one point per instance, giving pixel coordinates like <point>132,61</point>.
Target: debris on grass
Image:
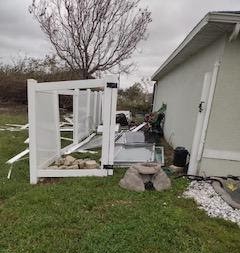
<point>208,200</point>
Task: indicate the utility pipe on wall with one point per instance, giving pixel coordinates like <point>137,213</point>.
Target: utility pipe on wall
<point>208,110</point>
<point>199,124</point>
<point>202,120</point>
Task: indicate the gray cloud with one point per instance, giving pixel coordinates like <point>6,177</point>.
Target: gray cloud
<point>172,21</point>
<point>19,33</point>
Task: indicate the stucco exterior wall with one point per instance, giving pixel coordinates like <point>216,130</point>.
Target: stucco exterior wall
<point>181,90</point>
<point>223,132</point>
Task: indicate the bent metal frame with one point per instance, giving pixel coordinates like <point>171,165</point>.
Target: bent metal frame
<point>44,124</point>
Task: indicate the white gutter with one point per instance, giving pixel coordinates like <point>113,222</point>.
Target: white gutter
<point>235,32</point>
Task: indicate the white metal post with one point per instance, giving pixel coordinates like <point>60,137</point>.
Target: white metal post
<point>112,125</point>
<point>57,121</point>
<point>192,169</point>
<point>76,116</point>
<point>109,119</point>
<point>95,109</point>
<point>88,110</point>
<point>100,107</point>
<point>32,130</point>
<point>106,126</point>
<point>208,109</point>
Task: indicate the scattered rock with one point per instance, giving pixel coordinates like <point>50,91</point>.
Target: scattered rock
<point>91,164</point>
<point>60,161</point>
<point>138,176</point>
<point>73,167</point>
<point>81,164</point>
<point>75,162</point>
<point>62,167</point>
<point>69,160</point>
<point>71,163</point>
<point>54,167</point>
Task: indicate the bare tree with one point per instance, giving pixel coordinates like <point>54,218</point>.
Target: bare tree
<point>92,35</point>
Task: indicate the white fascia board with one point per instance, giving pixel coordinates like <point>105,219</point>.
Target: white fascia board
<point>224,17</point>
<point>210,17</point>
<point>189,37</point>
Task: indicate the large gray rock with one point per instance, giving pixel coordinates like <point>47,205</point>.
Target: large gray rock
<point>138,175</point>
<point>132,181</point>
<point>161,181</point>
<point>147,168</point>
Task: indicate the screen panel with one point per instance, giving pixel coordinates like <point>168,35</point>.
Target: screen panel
<point>47,137</point>
<point>83,126</point>
<point>91,116</point>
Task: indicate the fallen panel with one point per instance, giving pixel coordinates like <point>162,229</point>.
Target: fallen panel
<point>129,154</point>
<point>96,142</point>
<point>131,137</point>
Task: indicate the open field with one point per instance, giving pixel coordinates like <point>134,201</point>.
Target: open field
<point>96,215</point>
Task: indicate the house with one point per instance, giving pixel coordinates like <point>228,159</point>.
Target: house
<point>200,83</point>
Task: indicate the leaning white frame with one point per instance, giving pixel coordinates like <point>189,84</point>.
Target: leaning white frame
<point>109,85</point>
<point>202,131</point>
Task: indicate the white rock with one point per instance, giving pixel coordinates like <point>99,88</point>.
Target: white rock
<point>208,200</point>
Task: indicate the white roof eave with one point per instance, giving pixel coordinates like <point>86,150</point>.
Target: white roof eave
<point>210,17</point>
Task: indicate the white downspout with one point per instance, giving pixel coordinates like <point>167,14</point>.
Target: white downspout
<point>192,169</point>
<point>235,32</point>
<point>208,110</point>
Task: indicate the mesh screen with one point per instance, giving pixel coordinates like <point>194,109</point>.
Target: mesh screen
<point>83,129</point>
<point>46,132</point>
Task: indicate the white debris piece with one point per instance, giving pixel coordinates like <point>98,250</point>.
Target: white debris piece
<point>208,200</point>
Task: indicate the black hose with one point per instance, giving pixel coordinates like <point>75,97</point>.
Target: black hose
<point>200,178</point>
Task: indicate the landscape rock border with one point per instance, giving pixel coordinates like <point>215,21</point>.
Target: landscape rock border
<point>207,199</point>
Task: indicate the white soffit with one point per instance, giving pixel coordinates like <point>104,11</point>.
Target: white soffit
<point>210,28</point>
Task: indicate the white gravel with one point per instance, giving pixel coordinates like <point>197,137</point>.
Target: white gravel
<point>208,200</point>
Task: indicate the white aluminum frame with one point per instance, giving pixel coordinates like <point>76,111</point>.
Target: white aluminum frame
<point>202,121</point>
<point>107,115</point>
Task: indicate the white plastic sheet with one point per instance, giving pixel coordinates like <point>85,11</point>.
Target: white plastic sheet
<point>83,125</point>
<point>47,134</point>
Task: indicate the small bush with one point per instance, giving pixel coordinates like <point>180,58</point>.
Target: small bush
<point>135,99</point>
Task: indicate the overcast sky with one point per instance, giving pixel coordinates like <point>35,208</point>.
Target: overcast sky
<point>172,20</point>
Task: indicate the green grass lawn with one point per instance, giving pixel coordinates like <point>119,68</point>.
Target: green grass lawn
<point>96,215</point>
